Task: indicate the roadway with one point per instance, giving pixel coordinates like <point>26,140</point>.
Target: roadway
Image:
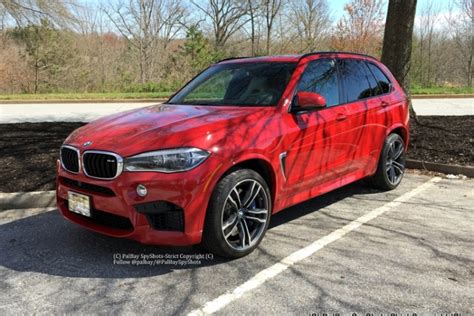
<point>84,112</point>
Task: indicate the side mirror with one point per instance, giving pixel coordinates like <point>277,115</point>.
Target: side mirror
<point>308,101</point>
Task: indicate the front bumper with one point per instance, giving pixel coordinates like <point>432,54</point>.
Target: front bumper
<point>114,203</point>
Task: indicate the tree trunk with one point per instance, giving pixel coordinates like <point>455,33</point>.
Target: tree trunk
<point>469,71</point>
<point>36,76</point>
<point>397,42</point>
<point>252,26</point>
<point>269,34</point>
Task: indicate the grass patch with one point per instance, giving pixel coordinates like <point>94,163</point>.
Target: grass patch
<point>442,90</point>
<point>164,95</point>
<point>86,96</point>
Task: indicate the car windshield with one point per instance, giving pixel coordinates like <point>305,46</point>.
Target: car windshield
<point>241,84</point>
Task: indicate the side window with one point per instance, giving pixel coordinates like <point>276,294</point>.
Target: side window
<point>320,76</point>
<point>374,87</point>
<point>356,80</point>
<point>382,80</point>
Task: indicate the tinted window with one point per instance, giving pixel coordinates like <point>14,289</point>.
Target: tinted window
<point>320,76</point>
<point>356,80</point>
<point>374,87</point>
<point>244,84</point>
<point>382,80</point>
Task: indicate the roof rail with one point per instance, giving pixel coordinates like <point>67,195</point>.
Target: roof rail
<point>231,58</point>
<point>336,52</point>
<point>304,55</point>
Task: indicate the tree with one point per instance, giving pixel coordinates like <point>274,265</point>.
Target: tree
<point>140,45</point>
<point>424,44</point>
<point>145,24</point>
<point>3,18</point>
<point>311,20</point>
<point>196,50</point>
<point>134,22</point>
<point>397,41</point>
<point>271,8</point>
<point>227,17</point>
<point>462,31</point>
<point>360,30</point>
<point>45,49</point>
<point>253,12</point>
<point>32,11</point>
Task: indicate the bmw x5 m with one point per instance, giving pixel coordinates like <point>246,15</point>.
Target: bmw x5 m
<point>244,139</point>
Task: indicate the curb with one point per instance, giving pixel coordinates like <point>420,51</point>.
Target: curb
<point>22,200</point>
<point>439,167</point>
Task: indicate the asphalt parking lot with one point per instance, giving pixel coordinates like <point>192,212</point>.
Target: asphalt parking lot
<point>354,250</point>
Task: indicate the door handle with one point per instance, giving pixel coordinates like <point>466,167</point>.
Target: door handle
<point>383,104</point>
<point>341,117</point>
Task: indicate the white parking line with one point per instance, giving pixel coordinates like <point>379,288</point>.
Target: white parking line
<point>266,274</point>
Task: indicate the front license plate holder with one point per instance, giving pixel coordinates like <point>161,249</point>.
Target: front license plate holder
<point>79,203</point>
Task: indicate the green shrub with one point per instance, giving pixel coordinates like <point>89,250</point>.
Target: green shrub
<point>154,87</point>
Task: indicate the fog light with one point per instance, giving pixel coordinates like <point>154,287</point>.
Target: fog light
<point>141,190</point>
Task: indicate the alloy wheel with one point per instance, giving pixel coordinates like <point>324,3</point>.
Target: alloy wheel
<point>245,214</point>
<point>395,163</point>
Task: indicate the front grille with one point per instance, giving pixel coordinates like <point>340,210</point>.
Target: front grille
<point>87,186</point>
<point>101,165</point>
<point>70,159</point>
<point>162,215</point>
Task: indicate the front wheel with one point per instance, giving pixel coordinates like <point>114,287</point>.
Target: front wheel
<point>391,166</point>
<point>238,214</point>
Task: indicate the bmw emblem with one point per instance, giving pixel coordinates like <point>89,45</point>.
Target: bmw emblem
<point>86,144</point>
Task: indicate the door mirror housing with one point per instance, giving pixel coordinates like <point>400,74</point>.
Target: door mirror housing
<point>307,101</point>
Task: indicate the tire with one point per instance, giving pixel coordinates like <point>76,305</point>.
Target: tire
<point>234,228</point>
<point>391,165</point>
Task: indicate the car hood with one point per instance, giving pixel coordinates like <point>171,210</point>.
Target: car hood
<point>159,126</point>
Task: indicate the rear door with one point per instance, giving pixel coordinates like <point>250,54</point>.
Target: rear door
<point>364,114</point>
<point>381,105</point>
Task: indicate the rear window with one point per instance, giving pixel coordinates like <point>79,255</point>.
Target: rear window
<point>382,80</point>
<point>356,80</point>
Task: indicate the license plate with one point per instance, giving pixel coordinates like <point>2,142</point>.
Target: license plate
<point>79,203</point>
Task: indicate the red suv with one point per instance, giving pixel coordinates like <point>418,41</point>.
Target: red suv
<point>245,139</point>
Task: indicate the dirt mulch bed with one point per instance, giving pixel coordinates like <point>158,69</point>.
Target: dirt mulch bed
<point>443,139</point>
<point>28,151</point>
<point>28,154</point>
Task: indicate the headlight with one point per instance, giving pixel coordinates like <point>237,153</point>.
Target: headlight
<point>169,160</point>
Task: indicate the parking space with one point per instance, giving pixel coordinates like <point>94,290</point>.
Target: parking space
<point>357,250</point>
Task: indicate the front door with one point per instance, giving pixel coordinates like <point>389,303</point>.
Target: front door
<point>317,146</point>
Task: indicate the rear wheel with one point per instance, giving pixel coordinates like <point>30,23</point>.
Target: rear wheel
<point>391,166</point>
<point>238,214</point>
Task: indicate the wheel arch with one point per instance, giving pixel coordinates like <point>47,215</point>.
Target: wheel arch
<point>400,130</point>
<point>262,167</point>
